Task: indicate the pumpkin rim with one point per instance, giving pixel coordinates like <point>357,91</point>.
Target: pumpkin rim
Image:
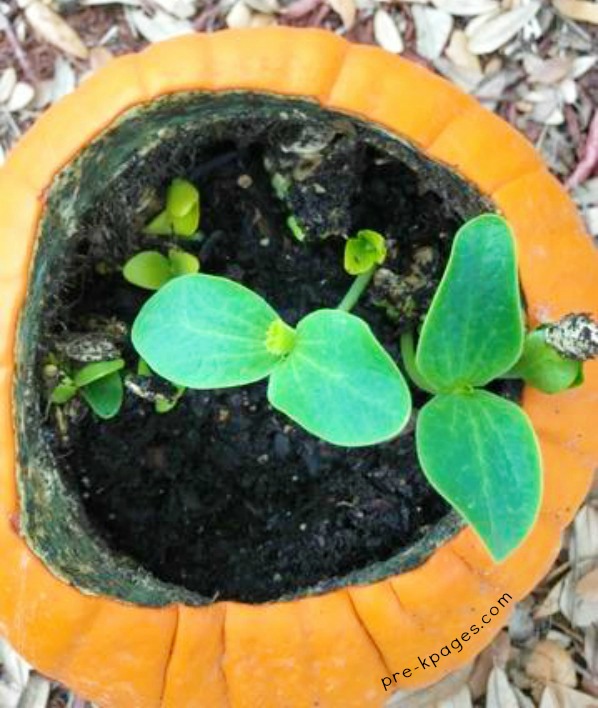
<point>159,645</point>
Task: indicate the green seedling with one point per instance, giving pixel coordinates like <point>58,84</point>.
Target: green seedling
<point>364,251</point>
<point>295,228</point>
<point>151,270</point>
<point>280,185</point>
<point>478,450</point>
<point>181,214</point>
<point>329,374</point>
<point>99,384</point>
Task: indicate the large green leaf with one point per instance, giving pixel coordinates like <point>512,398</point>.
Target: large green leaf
<point>339,383</point>
<point>203,332</point>
<point>480,452</point>
<point>105,395</point>
<point>473,331</point>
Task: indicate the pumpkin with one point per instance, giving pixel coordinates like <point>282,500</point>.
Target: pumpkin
<point>332,649</point>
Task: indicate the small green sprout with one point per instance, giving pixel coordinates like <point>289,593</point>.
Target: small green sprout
<point>364,251</point>
<point>182,213</point>
<point>99,384</point>
<point>479,451</point>
<point>280,185</point>
<point>151,270</point>
<point>295,228</point>
<point>329,373</point>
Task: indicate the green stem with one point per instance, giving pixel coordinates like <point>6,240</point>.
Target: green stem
<point>408,354</point>
<point>356,290</point>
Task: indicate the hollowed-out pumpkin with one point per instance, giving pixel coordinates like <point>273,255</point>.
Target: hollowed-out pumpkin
<point>329,648</point>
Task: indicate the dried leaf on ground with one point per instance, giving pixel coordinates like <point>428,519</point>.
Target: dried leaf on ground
<point>65,80</point>
<point>590,650</point>
<point>547,71</point>
<point>239,16</point>
<point>9,696</point>
<point>461,699</point>
<point>584,545</point>
<point>8,81</point>
<point>51,27</point>
<point>346,10</point>
<point>386,32</point>
<point>36,693</point>
<point>21,96</point>
<point>99,57</point>
<point>433,28</point>
<point>459,53</point>
<point>588,162</point>
<point>497,654</point>
<point>500,29</point>
<point>580,10</point>
<point>444,689</point>
<point>550,605</point>
<point>300,8</point>
<point>561,697</point>
<point>181,9</point>
<point>15,670</point>
<point>581,65</point>
<point>587,587</point>
<point>591,219</point>
<point>584,558</point>
<point>500,692</point>
<point>467,8</point>
<point>265,7</point>
<point>159,26</point>
<point>549,662</point>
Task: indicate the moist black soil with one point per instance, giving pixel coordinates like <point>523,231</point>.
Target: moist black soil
<point>223,495</point>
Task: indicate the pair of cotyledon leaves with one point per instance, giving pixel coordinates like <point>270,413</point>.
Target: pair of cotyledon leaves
<point>478,450</point>
<point>99,383</point>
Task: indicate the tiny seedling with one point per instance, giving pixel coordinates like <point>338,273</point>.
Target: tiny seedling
<point>99,384</point>
<point>181,215</point>
<point>151,270</point>
<point>295,228</point>
<point>329,373</point>
<point>364,251</point>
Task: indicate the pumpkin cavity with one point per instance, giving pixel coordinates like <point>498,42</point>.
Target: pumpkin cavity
<point>222,497</point>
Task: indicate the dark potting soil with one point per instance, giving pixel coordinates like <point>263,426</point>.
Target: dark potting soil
<point>224,495</point>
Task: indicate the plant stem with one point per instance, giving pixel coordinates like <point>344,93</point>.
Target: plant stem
<point>408,354</point>
<point>356,290</point>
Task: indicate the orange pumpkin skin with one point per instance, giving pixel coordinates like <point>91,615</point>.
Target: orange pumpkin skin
<point>330,650</point>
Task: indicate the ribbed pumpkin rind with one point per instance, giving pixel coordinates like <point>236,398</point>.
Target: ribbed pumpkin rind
<point>331,649</point>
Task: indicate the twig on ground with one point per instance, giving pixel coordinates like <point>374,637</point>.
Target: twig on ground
<point>15,45</point>
<point>589,160</point>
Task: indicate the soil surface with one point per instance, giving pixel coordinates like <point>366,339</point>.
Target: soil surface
<point>224,495</point>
